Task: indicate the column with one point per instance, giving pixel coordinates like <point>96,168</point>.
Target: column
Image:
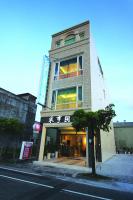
<point>42,144</point>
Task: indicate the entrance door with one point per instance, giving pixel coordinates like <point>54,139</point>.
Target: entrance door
<point>73,145</point>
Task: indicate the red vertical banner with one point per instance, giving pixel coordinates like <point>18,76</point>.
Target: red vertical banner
<point>26,150</point>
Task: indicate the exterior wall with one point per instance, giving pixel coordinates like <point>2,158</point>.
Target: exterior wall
<point>92,80</point>
<point>100,99</point>
<point>74,30</point>
<point>79,48</point>
<point>12,106</point>
<point>21,107</point>
<point>98,90</point>
<point>123,135</point>
<point>107,144</point>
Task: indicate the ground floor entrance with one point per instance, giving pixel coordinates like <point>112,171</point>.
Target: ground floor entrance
<point>73,145</point>
<point>65,142</point>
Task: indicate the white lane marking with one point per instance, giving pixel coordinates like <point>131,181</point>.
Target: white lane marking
<point>21,180</point>
<point>85,194</point>
<point>15,170</point>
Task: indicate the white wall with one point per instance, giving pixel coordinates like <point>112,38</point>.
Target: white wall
<point>99,100</point>
<point>98,91</point>
<point>107,144</point>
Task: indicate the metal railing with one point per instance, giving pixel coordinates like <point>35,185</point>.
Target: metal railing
<point>68,75</point>
<point>69,105</point>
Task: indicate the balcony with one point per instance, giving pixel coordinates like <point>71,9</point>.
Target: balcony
<point>68,75</point>
<point>70,105</point>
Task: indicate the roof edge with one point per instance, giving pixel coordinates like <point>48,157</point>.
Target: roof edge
<point>73,27</point>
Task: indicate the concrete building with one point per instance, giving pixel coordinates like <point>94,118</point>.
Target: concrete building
<point>123,132</point>
<point>75,81</point>
<point>21,107</point>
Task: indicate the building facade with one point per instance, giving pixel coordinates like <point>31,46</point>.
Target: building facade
<point>75,81</point>
<point>21,107</point>
<point>123,132</point>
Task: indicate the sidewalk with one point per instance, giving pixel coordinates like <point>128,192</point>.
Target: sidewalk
<point>119,168</point>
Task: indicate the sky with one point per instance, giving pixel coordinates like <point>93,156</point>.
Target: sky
<point>26,27</point>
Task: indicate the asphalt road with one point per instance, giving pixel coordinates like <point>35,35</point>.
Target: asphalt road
<point>23,186</point>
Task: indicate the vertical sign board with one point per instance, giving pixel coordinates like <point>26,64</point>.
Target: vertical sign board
<point>26,150</point>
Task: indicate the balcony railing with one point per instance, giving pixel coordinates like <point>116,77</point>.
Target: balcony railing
<point>68,75</point>
<point>69,105</point>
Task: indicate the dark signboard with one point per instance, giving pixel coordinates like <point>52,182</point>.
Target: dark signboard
<point>56,119</point>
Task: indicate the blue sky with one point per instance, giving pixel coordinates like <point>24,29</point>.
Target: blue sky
<point>26,27</point>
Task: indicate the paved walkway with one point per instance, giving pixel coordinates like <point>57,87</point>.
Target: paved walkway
<point>80,161</point>
<point>119,167</point>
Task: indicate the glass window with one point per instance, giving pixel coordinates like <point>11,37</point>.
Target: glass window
<point>66,95</point>
<point>53,97</point>
<point>82,35</point>
<point>80,93</point>
<point>68,68</point>
<point>67,98</point>
<point>80,62</point>
<point>70,39</point>
<point>56,69</point>
<point>58,43</point>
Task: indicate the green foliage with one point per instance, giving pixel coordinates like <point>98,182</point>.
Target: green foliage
<point>105,117</point>
<point>11,127</point>
<point>93,120</point>
<point>79,120</point>
<point>9,153</point>
<point>11,131</point>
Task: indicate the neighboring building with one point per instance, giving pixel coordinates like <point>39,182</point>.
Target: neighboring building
<point>75,81</point>
<point>21,107</point>
<point>123,132</point>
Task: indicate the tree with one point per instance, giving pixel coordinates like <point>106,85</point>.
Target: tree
<point>94,121</point>
<point>11,131</point>
<point>11,127</point>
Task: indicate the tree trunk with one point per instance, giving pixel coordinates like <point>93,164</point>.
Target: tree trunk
<point>89,150</point>
<point>92,153</point>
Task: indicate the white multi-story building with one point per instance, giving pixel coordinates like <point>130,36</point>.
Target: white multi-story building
<point>75,81</point>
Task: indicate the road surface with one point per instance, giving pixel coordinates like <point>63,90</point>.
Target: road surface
<point>27,186</point>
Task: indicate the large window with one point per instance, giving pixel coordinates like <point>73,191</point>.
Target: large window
<point>70,39</point>
<point>67,98</point>
<point>68,68</point>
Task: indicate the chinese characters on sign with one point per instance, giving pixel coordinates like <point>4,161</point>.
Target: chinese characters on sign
<point>67,119</point>
<point>51,119</point>
<point>56,119</point>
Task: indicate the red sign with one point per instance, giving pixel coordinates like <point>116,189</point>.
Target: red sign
<point>26,150</point>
